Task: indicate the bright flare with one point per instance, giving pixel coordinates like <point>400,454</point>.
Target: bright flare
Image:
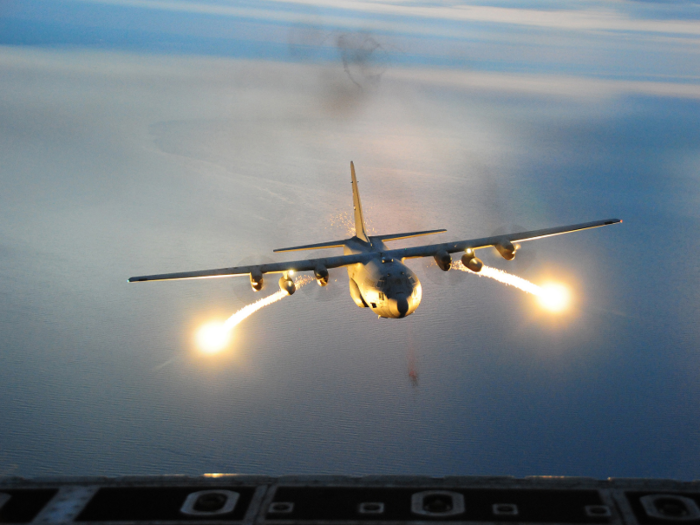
<point>553,297</point>
<point>213,337</point>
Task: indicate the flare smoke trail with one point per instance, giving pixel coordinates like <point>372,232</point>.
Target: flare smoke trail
<point>250,309</point>
<point>553,297</point>
<point>502,277</point>
<point>213,337</point>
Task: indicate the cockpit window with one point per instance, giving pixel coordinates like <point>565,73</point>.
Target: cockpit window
<point>388,281</point>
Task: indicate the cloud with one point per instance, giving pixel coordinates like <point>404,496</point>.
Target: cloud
<point>546,85</point>
<point>344,12</point>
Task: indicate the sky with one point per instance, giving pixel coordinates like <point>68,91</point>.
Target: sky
<point>152,136</point>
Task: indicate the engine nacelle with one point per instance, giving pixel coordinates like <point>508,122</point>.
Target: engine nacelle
<point>287,285</point>
<point>321,274</point>
<point>471,261</point>
<point>443,260</point>
<point>506,249</point>
<point>356,295</point>
<point>256,280</point>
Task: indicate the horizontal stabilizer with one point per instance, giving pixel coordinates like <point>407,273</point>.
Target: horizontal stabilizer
<point>397,236</point>
<point>331,244</point>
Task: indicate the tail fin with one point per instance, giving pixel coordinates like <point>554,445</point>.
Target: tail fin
<point>359,220</point>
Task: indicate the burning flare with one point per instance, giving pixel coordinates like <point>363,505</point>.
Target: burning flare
<point>553,297</point>
<point>213,337</point>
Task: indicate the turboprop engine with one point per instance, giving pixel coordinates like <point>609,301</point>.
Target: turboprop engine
<point>287,285</point>
<point>443,260</point>
<point>506,249</point>
<point>256,280</point>
<point>321,274</point>
<point>471,261</point>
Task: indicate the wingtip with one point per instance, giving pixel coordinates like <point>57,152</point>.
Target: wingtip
<point>612,221</point>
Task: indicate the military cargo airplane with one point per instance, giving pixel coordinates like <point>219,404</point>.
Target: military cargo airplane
<point>379,279</point>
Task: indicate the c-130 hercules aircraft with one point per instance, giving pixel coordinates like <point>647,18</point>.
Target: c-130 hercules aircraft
<point>378,278</point>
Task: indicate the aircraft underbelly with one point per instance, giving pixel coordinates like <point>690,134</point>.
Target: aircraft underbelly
<point>389,289</point>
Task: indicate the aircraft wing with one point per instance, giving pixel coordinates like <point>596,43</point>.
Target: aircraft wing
<point>281,267</point>
<point>402,253</point>
<point>475,244</point>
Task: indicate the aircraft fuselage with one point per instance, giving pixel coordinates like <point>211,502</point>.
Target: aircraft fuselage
<point>385,285</point>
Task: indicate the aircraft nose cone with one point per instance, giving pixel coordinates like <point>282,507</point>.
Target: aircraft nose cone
<point>402,306</point>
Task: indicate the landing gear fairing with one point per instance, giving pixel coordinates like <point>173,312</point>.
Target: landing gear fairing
<point>379,280</point>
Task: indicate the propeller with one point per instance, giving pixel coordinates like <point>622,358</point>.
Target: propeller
<point>432,272</point>
<point>241,285</point>
<point>525,255</point>
<point>333,289</point>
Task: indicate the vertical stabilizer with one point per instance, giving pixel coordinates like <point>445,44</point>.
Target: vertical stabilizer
<point>359,219</point>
